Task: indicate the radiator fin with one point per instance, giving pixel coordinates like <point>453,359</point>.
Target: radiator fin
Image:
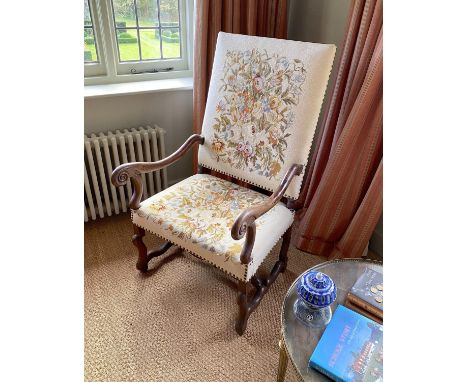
<point>103,153</point>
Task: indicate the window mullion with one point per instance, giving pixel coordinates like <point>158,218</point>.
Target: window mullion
<point>160,30</point>
<point>107,37</point>
<point>96,68</point>
<point>138,29</point>
<point>91,28</point>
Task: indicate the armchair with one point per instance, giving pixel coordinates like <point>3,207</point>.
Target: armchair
<point>262,108</point>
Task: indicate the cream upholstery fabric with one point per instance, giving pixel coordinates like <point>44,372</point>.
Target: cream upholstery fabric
<point>263,105</point>
<point>197,214</point>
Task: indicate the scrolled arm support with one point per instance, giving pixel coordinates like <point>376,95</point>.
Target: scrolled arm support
<point>245,222</point>
<point>133,170</point>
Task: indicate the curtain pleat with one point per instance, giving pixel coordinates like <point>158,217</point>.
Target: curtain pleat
<point>342,194</point>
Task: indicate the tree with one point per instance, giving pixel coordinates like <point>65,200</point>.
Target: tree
<point>169,10</point>
<point>123,8</point>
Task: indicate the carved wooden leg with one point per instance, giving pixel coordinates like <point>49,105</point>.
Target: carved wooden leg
<point>242,301</point>
<point>137,240</point>
<point>283,362</point>
<point>283,256</point>
<point>248,305</point>
<point>143,255</point>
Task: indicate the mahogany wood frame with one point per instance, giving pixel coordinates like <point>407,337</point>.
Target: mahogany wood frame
<point>134,170</point>
<point>243,226</point>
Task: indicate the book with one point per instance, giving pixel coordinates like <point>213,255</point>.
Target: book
<point>350,349</point>
<point>365,313</point>
<point>367,292</point>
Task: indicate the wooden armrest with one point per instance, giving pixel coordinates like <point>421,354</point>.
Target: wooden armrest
<point>134,170</point>
<point>245,222</point>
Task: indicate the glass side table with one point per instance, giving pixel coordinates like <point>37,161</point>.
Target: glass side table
<point>297,340</point>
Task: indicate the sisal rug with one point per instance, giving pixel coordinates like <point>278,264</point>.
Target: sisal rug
<point>175,323</point>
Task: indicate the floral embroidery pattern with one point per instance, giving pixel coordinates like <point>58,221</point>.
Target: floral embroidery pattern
<point>256,111</point>
<point>203,211</point>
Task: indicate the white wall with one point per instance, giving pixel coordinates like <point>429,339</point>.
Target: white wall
<point>321,21</point>
<point>171,110</point>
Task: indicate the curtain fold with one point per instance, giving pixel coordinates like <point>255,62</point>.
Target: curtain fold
<point>342,193</point>
<point>267,18</point>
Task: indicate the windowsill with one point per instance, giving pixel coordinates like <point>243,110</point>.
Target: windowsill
<point>111,90</point>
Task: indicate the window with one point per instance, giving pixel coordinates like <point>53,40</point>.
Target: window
<point>90,51</point>
<point>131,40</point>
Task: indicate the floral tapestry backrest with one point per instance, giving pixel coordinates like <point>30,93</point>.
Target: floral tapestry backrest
<point>262,108</point>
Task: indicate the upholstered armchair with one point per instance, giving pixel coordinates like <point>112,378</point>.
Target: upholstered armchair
<point>262,108</point>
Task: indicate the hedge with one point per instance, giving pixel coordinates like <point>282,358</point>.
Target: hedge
<point>121,24</point>
<point>173,39</point>
<point>127,40</point>
<point>89,40</point>
<point>125,35</point>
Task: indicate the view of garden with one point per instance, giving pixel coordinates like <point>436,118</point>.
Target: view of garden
<point>155,20</point>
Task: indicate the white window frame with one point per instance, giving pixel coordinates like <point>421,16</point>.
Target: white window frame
<point>92,69</point>
<point>110,70</point>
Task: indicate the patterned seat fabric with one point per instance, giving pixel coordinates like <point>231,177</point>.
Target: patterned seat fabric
<point>197,214</point>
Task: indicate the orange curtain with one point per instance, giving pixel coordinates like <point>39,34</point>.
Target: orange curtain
<point>267,18</point>
<point>342,194</point>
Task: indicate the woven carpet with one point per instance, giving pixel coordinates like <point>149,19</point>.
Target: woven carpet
<point>175,323</point>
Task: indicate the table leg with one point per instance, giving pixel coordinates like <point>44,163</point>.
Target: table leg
<point>283,362</point>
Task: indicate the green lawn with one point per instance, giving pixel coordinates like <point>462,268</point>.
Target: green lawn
<point>149,47</point>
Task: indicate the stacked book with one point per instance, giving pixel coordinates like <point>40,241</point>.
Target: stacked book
<point>366,295</point>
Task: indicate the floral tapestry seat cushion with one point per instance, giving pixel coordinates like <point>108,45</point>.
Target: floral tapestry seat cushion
<point>198,213</point>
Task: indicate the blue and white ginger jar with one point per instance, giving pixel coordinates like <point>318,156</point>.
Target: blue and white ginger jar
<point>317,290</point>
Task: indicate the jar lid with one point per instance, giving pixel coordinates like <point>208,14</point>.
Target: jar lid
<point>317,289</point>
